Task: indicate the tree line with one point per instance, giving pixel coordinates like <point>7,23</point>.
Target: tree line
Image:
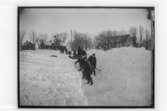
<point>105,40</point>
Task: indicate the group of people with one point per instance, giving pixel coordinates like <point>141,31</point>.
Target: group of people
<point>87,65</point>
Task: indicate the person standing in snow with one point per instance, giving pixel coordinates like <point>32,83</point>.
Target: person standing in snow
<point>81,61</point>
<point>85,67</point>
<point>84,52</point>
<point>87,72</point>
<point>79,52</point>
<point>92,60</point>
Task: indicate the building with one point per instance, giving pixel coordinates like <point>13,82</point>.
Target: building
<point>117,41</point>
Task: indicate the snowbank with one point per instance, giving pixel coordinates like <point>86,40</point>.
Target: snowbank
<point>49,81</point>
<point>124,79</point>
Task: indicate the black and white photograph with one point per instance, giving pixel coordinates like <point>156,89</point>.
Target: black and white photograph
<point>86,57</point>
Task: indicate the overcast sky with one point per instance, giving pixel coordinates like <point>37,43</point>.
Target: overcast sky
<point>91,21</point>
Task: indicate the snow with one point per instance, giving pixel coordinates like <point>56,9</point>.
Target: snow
<point>124,79</point>
<point>49,81</point>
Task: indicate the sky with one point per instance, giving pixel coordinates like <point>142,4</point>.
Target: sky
<point>90,21</point>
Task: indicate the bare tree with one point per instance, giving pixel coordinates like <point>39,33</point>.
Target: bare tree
<point>133,31</point>
<point>33,38</point>
<point>148,40</point>
<point>141,32</point>
<point>147,35</point>
<point>60,38</point>
<point>103,40</point>
<point>81,40</point>
<point>114,33</point>
<point>43,37</point>
<point>22,35</point>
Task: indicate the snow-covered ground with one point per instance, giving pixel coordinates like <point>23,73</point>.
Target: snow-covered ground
<point>49,81</point>
<point>124,79</point>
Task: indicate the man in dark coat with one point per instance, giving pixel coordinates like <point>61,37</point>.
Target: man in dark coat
<point>85,67</point>
<point>81,61</point>
<point>79,51</point>
<point>87,72</point>
<point>84,52</point>
<point>92,60</point>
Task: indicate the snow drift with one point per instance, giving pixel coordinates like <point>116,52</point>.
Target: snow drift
<point>49,81</point>
<point>124,79</point>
